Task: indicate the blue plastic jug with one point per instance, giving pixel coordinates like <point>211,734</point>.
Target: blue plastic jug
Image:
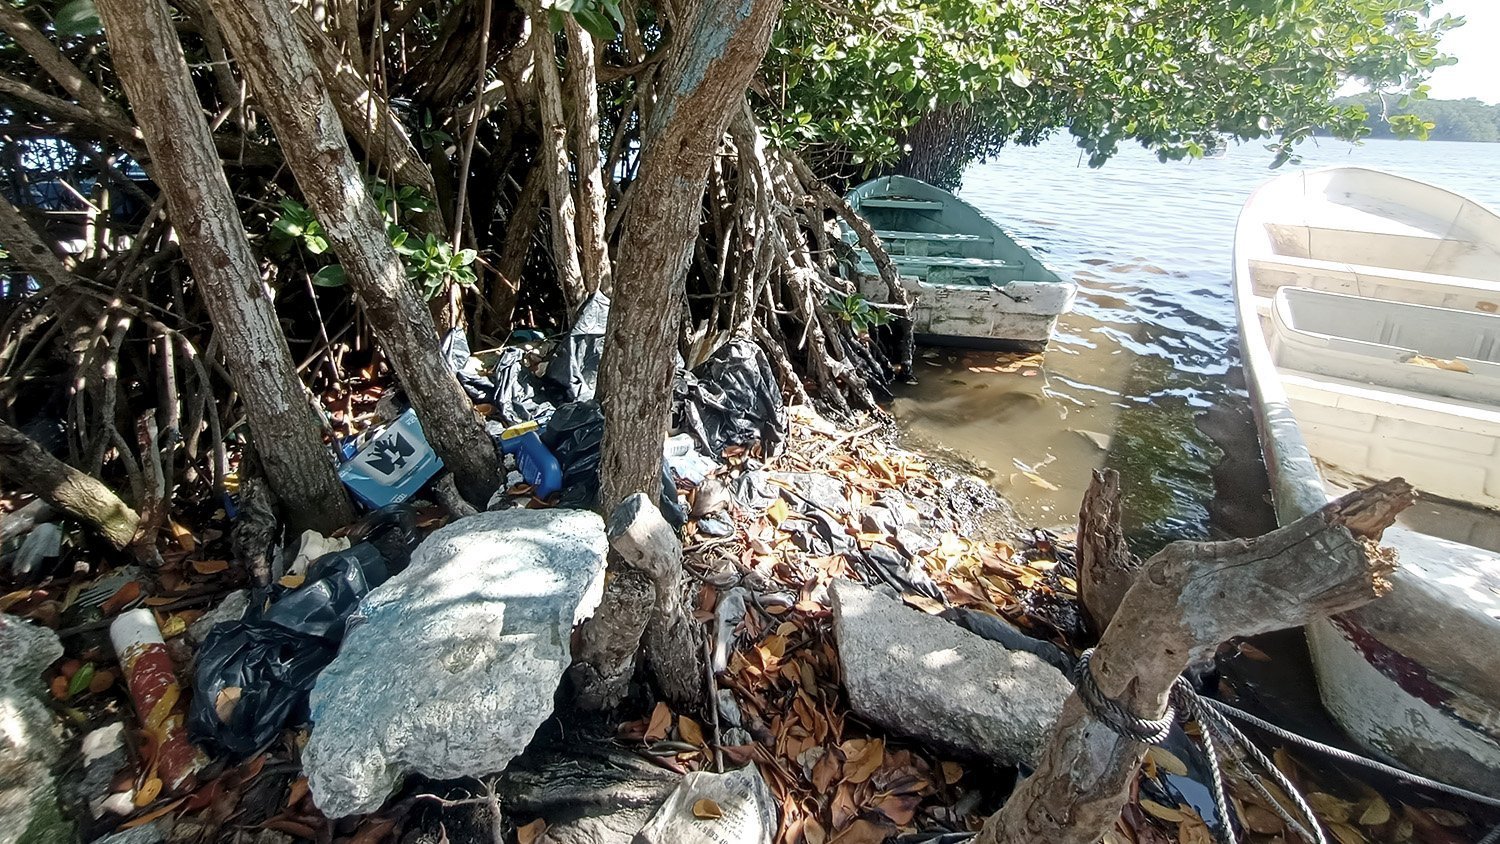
<point>538,465</point>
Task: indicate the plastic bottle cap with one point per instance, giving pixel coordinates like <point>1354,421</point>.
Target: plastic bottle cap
<point>520,430</point>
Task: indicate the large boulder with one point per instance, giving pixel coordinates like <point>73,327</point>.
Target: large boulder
<point>924,677</point>
<point>29,745</point>
<point>457,659</point>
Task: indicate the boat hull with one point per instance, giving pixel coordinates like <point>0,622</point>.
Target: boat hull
<point>970,283</point>
<point>1414,676</point>
<point>1021,315</point>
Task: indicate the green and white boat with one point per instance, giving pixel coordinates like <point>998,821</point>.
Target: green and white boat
<point>972,285</point>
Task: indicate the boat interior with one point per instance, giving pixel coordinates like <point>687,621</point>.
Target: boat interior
<point>1336,231</point>
<point>1379,306</point>
<point>933,236</point>
<point>1425,350</point>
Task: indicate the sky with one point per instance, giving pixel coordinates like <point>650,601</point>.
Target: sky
<point>1476,45</point>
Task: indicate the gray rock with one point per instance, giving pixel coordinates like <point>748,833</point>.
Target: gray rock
<point>748,811</point>
<point>29,744</point>
<point>150,833</point>
<point>922,676</point>
<point>232,608</point>
<point>454,662</point>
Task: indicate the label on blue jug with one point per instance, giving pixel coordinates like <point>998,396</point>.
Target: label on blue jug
<point>393,466</point>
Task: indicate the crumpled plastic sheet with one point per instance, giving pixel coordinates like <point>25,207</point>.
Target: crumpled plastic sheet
<point>732,398</point>
<point>253,675</point>
<point>574,367</point>
<point>999,630</point>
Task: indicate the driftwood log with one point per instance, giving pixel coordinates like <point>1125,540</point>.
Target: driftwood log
<point>1106,568</point>
<point>27,466</point>
<point>643,601</point>
<point>1187,599</point>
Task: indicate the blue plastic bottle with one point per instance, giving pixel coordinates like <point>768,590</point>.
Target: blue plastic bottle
<point>538,465</point>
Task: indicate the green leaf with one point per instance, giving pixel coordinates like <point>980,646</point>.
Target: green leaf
<point>597,24</point>
<point>78,17</point>
<point>288,227</point>
<point>315,243</point>
<point>465,257</point>
<point>330,276</point>
<point>81,679</point>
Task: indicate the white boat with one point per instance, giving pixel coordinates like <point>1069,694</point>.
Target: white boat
<point>971,283</point>
<point>1371,341</point>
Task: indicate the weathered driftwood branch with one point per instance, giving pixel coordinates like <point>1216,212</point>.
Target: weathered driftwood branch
<point>26,465</point>
<point>643,601</point>
<point>1106,568</point>
<point>1189,598</point>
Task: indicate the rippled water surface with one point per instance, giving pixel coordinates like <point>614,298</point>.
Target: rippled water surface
<point>1143,375</point>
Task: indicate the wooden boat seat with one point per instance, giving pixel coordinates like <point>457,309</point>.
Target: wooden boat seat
<point>938,237</point>
<point>961,263</point>
<point>1417,288</point>
<point>1423,350</point>
<point>901,204</point>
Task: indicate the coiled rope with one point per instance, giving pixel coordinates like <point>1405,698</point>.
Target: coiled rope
<point>1185,704</point>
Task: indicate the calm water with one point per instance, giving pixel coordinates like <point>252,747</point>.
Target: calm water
<point>1147,362</point>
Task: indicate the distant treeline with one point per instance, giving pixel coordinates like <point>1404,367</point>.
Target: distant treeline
<point>1455,120</point>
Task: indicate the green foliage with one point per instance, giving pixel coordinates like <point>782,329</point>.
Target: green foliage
<point>431,264</point>
<point>599,17</point>
<point>858,312</point>
<point>77,17</point>
<point>296,225</point>
<point>1438,120</point>
<point>850,83</point>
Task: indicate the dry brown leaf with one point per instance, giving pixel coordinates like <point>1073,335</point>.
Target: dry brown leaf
<point>154,814</point>
<point>707,809</point>
<point>210,566</point>
<point>1166,761</point>
<point>952,772</point>
<point>1446,817</point>
<point>813,832</point>
<point>861,768</point>
<point>661,723</point>
<point>1346,834</point>
<point>901,808</point>
<point>531,832</point>
<point>862,832</point>
<point>1451,365</point>
<point>123,596</point>
<point>1160,812</point>
<point>183,536</point>
<point>292,581</point>
<point>148,792</point>
<point>1262,820</point>
<point>297,792</point>
<point>825,771</point>
<point>1330,808</point>
<point>101,681</point>
<point>1193,830</point>
<point>690,731</point>
<point>225,703</point>
<point>778,512</point>
<point>1375,813</point>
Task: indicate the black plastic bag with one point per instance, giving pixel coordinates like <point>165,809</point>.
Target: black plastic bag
<point>731,399</point>
<point>575,436</point>
<point>574,367</point>
<point>253,675</point>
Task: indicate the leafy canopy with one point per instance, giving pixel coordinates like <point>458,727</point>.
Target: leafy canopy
<point>852,79</point>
